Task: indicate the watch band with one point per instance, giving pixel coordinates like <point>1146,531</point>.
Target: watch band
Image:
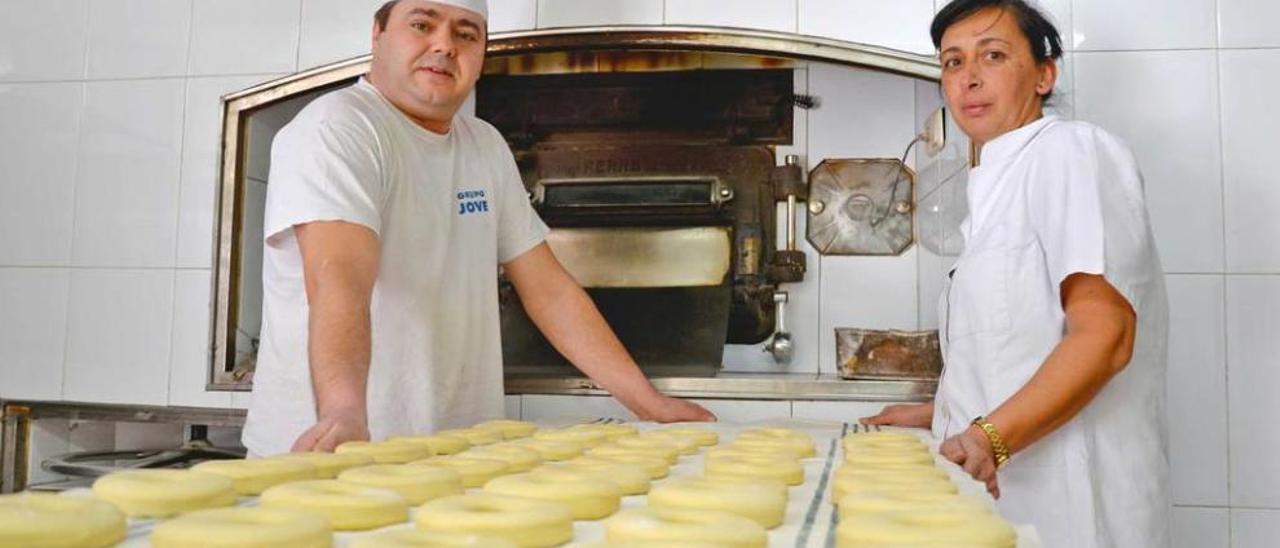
<point>997,443</point>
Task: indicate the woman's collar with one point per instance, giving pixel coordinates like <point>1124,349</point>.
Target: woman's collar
<point>1005,146</point>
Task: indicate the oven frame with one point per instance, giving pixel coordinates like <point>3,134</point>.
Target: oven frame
<point>236,107</point>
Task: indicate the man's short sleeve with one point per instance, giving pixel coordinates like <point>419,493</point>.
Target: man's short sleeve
<point>323,171</point>
<point>1064,205</point>
<point>519,227</point>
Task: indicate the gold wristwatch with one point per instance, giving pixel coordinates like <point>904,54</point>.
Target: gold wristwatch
<point>997,443</point>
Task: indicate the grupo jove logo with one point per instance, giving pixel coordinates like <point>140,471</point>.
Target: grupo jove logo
<point>471,202</point>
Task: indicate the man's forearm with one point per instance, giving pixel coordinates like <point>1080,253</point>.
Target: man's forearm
<point>574,326</point>
<point>339,353</point>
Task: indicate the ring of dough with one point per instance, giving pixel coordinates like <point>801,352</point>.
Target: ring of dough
<point>525,522</point>
<point>387,452</point>
<point>413,538</point>
<point>656,467</point>
<point>685,445</point>
<point>663,447</point>
<point>900,470</point>
<point>778,437</point>
<point>474,436</point>
<point>510,429</point>
<point>788,471</point>
<point>925,528</point>
<point>848,484</point>
<point>761,501</point>
<point>46,519</point>
<point>910,501</point>
<point>550,449</point>
<point>164,493</point>
<point>612,432</point>
<point>758,448</point>
<point>666,526</point>
<point>475,472</point>
<point>632,478</point>
<point>586,437</point>
<point>244,527</point>
<point>883,439</point>
<point>349,506</point>
<point>589,495</point>
<point>253,476</point>
<point>703,436</point>
<point>417,484</point>
<point>328,465</point>
<point>438,445</point>
<point>518,459</point>
<point>667,453</point>
<point>888,456</point>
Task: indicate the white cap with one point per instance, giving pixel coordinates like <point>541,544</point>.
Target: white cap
<point>480,7</point>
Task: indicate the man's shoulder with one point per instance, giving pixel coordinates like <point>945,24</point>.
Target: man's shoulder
<point>351,108</point>
<point>481,131</point>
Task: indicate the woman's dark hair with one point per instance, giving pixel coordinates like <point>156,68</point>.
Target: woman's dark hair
<point>1045,41</point>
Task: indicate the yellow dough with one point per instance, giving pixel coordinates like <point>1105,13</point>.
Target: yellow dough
<point>589,495</point>
<point>778,437</point>
<point>518,459</point>
<point>663,450</point>
<point>475,472</point>
<point>783,469</point>
<point>703,436</point>
<point>612,432</point>
<point>680,527</point>
<point>510,429</point>
<point>757,448</point>
<point>958,528</point>
<point>387,452</point>
<point>846,484</point>
<point>588,437</point>
<point>474,436</point>
<point>417,484</point>
<point>244,527</point>
<point>525,522</point>
<point>348,506</point>
<point>657,467</point>
<point>888,456</point>
<point>897,440</point>
<point>413,538</point>
<point>910,501</point>
<point>685,445</point>
<point>551,450</point>
<point>44,519</point>
<point>761,501</point>
<point>438,445</point>
<point>253,476</point>
<point>632,478</point>
<point>328,465</point>
<point>164,493</point>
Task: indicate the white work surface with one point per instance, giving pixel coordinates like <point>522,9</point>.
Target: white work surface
<point>810,520</point>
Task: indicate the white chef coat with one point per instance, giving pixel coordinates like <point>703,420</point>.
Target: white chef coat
<point>1051,199</point>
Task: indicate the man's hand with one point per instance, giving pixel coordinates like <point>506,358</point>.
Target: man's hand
<point>972,451</point>
<point>665,408</point>
<point>918,415</point>
<point>330,432</point>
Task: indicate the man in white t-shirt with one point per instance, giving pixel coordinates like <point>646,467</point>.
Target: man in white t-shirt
<point>387,218</point>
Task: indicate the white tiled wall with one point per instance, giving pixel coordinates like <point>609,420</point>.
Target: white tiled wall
<point>108,151</point>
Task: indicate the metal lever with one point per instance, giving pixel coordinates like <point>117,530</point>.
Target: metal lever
<point>780,344</point>
<point>788,184</point>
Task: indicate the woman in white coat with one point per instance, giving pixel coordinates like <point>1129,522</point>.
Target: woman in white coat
<point>1053,321</point>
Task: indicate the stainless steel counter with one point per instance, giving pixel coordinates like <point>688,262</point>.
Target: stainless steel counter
<point>742,386</point>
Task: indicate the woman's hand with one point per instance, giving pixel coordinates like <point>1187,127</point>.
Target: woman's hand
<point>972,450</point>
<point>916,415</point>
